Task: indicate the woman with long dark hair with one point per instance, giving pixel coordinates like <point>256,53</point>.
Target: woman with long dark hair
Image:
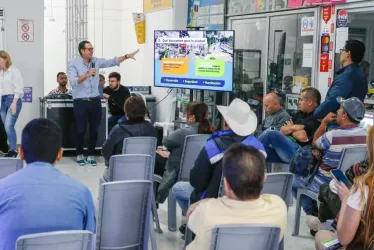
<point>198,123</point>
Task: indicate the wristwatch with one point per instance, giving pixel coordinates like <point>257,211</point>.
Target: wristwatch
<point>126,56</point>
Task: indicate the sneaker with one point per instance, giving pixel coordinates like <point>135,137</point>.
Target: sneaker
<point>12,154</point>
<point>182,229</point>
<point>80,160</point>
<point>313,223</point>
<point>91,161</point>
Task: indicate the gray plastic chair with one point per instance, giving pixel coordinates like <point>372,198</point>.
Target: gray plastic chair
<point>147,146</point>
<point>9,166</point>
<point>193,144</point>
<point>124,215</point>
<point>130,168</point>
<point>349,157</point>
<point>61,240</point>
<point>239,237</point>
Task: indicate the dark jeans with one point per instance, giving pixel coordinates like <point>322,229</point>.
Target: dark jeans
<point>87,111</point>
<point>114,120</point>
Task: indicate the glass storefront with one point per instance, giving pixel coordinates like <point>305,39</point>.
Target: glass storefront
<point>273,54</point>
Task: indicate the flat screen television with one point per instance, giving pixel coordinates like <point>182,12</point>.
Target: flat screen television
<point>202,60</point>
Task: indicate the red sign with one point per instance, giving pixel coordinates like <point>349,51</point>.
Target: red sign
<point>331,46</point>
<point>332,28</point>
<point>326,14</point>
<point>329,82</point>
<point>330,64</point>
<point>324,63</point>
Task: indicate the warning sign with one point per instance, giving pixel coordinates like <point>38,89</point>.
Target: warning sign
<point>25,30</point>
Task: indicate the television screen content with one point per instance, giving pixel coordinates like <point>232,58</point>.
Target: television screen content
<point>201,60</point>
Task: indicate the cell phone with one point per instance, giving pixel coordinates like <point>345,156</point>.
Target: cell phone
<point>340,177</point>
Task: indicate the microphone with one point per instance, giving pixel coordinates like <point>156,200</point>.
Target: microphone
<point>92,67</point>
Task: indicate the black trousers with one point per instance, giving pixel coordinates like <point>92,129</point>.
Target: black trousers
<point>87,111</point>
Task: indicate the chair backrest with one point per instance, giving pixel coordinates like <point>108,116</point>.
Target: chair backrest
<point>124,214</point>
<point>276,183</point>
<point>140,145</point>
<point>279,184</point>
<point>61,240</point>
<point>193,144</point>
<point>351,156</point>
<point>9,166</point>
<point>235,237</point>
<point>130,167</point>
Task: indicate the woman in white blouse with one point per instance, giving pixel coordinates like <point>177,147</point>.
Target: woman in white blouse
<point>11,90</point>
<point>355,228</point>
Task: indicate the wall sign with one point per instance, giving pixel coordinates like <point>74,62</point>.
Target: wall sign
<point>206,13</point>
<point>324,63</point>
<point>153,5</point>
<point>27,96</point>
<point>342,19</point>
<point>139,20</point>
<point>307,26</point>
<point>25,30</point>
<point>326,14</point>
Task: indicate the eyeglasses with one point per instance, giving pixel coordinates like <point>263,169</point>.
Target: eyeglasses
<point>341,50</point>
<point>89,49</point>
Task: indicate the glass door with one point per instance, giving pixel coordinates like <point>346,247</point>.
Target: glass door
<point>290,60</point>
<point>250,62</point>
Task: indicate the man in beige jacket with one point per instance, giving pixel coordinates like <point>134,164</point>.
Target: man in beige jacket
<point>244,203</point>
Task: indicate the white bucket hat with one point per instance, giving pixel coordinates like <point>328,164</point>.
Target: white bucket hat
<point>239,116</point>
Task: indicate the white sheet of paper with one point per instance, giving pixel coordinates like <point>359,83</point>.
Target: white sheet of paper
<point>341,38</point>
<point>308,55</point>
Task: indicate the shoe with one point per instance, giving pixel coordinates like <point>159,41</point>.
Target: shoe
<point>12,154</point>
<point>313,223</point>
<point>91,161</point>
<point>80,160</point>
<point>182,229</point>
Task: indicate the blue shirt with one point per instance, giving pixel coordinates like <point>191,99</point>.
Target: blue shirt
<point>39,198</point>
<point>101,91</point>
<point>351,81</point>
<point>90,87</point>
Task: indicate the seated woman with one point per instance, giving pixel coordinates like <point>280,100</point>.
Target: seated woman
<point>197,120</point>
<point>356,217</point>
<point>134,126</point>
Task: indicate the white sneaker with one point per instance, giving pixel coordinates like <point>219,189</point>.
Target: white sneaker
<point>91,161</point>
<point>313,223</point>
<point>80,160</point>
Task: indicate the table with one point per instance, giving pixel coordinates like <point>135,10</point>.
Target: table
<point>61,111</point>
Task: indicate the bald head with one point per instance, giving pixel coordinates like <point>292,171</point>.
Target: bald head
<point>272,103</point>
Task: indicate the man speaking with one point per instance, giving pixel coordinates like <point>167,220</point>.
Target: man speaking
<point>84,79</point>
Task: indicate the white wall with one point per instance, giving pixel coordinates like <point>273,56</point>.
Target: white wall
<point>28,57</point>
<point>54,42</point>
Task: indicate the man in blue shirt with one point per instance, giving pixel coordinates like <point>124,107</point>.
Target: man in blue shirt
<point>39,198</point>
<point>83,77</point>
<point>350,81</point>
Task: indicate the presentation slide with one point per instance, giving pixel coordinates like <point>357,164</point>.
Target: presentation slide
<point>201,60</point>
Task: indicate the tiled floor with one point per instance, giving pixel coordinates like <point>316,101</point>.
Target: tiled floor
<point>172,240</point>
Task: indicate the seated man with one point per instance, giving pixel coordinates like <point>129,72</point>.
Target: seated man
<point>282,145</point>
<point>244,203</point>
<point>39,198</point>
<point>62,81</point>
<point>276,115</point>
<point>331,145</point>
<point>134,126</point>
<point>205,177</point>
<point>116,94</point>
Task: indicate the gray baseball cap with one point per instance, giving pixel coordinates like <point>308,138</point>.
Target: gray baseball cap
<point>354,107</point>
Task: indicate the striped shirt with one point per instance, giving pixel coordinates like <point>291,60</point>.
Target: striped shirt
<point>333,142</point>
